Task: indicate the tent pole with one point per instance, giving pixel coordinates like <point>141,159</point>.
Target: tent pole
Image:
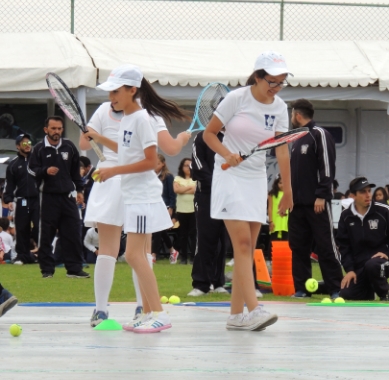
<point>81,98</point>
<point>358,113</point>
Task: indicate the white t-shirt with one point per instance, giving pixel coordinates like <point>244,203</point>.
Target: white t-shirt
<point>7,240</point>
<point>106,122</point>
<point>249,122</point>
<point>137,133</point>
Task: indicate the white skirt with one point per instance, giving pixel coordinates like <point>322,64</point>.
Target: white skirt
<point>238,198</point>
<point>146,218</point>
<point>105,204</point>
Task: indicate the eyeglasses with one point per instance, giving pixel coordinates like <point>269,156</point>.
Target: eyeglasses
<point>26,143</point>
<point>275,84</point>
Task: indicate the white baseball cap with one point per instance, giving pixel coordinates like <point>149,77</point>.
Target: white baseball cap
<point>272,62</point>
<point>125,75</point>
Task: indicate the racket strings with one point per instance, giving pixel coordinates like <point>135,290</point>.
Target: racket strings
<point>210,100</point>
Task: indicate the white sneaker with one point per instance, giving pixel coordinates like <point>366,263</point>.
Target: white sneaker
<point>258,319</point>
<point>258,293</point>
<point>122,259</point>
<point>158,322</point>
<point>220,289</point>
<point>230,263</point>
<point>137,321</point>
<point>196,292</point>
<point>235,321</point>
<point>18,262</point>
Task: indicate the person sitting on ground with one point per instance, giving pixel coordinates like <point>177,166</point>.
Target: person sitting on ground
<point>91,245</point>
<point>6,237</point>
<point>363,239</point>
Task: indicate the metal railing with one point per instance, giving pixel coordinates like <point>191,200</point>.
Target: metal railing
<point>198,20</point>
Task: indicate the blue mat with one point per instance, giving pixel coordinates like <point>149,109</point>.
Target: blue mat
<point>58,304</point>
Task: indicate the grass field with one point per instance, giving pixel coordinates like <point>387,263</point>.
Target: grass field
<point>26,283</point>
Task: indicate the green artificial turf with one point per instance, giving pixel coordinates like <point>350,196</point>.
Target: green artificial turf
<point>27,284</point>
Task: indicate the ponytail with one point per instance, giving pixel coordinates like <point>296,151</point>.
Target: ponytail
<point>256,74</point>
<point>157,106</point>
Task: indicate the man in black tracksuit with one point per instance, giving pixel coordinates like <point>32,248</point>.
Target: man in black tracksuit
<point>55,163</point>
<point>312,174</point>
<point>20,187</point>
<point>363,240</point>
<point>209,261</point>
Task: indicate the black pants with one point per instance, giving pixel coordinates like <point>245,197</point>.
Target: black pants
<point>25,215</point>
<point>209,261</point>
<point>187,233</point>
<point>59,211</point>
<point>370,280</point>
<point>158,237</point>
<point>304,226</point>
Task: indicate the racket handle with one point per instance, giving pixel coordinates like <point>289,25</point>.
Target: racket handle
<point>97,150</point>
<point>225,166</point>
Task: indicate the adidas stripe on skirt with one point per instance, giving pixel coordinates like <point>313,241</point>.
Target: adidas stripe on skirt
<point>146,218</point>
<point>238,198</point>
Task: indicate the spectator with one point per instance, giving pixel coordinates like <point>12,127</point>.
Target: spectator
<point>380,195</point>
<point>91,245</point>
<point>6,237</point>
<point>7,301</point>
<point>209,261</point>
<point>21,188</point>
<point>169,197</point>
<point>8,129</point>
<point>185,188</point>
<point>363,239</point>
<point>339,196</point>
<point>313,171</point>
<point>335,186</point>
<point>55,164</point>
<point>87,176</point>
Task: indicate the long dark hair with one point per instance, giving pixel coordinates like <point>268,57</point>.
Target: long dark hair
<point>275,189</point>
<point>165,170</point>
<point>157,106</point>
<point>180,170</point>
<point>385,194</point>
<point>256,74</point>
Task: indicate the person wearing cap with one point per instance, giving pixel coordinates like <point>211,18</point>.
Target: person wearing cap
<point>55,163</point>
<point>363,240</point>
<point>250,115</point>
<point>313,172</point>
<point>141,189</point>
<point>21,188</point>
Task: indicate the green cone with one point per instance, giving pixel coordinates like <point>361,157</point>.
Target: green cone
<point>108,325</point>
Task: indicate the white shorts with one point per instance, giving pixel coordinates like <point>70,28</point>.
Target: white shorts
<point>238,198</point>
<point>105,204</point>
<point>146,218</point>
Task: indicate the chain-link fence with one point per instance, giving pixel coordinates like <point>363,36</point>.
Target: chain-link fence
<point>200,19</point>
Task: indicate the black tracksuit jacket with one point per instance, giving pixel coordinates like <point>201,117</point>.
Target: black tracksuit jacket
<point>19,182</point>
<point>359,240</point>
<point>313,166</point>
<point>65,157</point>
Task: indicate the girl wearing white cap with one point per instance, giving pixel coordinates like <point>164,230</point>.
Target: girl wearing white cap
<point>250,115</point>
<point>143,211</point>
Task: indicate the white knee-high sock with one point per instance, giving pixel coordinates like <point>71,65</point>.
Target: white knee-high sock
<point>136,282</point>
<point>104,272</point>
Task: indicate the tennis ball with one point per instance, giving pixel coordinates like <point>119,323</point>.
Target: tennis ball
<point>164,299</point>
<point>95,175</point>
<point>15,330</point>
<point>311,285</point>
<point>326,300</point>
<point>174,299</point>
<point>339,300</point>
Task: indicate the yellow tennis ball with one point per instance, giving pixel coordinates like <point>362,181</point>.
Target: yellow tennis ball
<point>15,330</point>
<point>164,299</point>
<point>326,300</point>
<point>95,175</point>
<point>174,299</point>
<point>311,285</point>
<point>339,300</point>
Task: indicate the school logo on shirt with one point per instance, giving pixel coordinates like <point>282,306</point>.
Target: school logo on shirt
<point>304,148</point>
<point>65,155</point>
<point>373,224</point>
<point>127,138</point>
<point>269,122</point>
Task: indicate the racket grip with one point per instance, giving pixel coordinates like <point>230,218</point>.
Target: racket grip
<point>97,150</point>
<point>225,166</point>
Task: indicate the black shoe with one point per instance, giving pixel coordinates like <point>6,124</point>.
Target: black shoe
<point>183,262</point>
<point>80,274</point>
<point>385,298</point>
<point>47,275</point>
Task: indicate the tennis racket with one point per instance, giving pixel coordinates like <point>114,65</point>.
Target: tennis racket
<point>207,102</point>
<point>69,105</point>
<point>273,142</point>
